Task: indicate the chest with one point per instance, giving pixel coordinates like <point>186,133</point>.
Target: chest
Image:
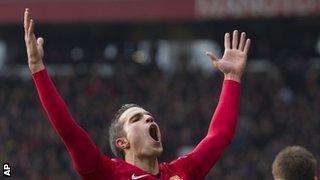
<point>167,173</point>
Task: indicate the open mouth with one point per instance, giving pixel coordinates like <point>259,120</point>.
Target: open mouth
<point>153,131</point>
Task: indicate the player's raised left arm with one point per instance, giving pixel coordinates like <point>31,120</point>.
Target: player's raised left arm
<point>224,120</point>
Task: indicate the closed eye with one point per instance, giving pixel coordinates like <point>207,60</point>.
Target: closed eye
<point>138,116</point>
<point>134,120</point>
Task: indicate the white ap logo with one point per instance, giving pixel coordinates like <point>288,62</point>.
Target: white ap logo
<point>6,169</point>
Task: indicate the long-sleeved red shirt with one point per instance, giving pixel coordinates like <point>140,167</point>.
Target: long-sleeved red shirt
<point>90,163</point>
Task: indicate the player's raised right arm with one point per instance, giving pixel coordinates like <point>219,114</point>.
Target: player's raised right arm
<point>83,151</point>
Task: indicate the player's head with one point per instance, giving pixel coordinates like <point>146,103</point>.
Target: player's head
<point>294,163</point>
<point>134,131</point>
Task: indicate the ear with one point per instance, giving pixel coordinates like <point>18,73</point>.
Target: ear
<point>122,143</point>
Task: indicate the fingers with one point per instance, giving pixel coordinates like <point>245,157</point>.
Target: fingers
<point>247,46</point>
<point>243,45</point>
<point>30,36</point>
<point>26,20</point>
<point>28,25</point>
<point>227,41</point>
<point>31,28</point>
<point>242,41</point>
<point>235,39</point>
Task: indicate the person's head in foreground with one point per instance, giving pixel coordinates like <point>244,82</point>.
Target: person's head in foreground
<point>294,163</point>
<point>134,133</point>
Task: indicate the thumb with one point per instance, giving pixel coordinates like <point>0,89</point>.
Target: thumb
<point>40,42</point>
<point>212,56</point>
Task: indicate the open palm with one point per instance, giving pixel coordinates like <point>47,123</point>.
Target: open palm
<point>234,58</point>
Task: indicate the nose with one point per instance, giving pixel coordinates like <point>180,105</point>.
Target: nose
<point>149,120</point>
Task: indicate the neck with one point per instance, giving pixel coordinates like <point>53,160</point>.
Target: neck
<point>148,164</point>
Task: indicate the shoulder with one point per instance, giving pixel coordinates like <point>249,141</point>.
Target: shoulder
<point>183,160</point>
<point>182,163</point>
<point>181,168</point>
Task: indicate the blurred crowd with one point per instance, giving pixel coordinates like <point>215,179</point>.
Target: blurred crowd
<point>278,108</point>
<point>280,99</point>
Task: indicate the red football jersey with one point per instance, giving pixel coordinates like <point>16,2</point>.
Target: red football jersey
<point>183,168</point>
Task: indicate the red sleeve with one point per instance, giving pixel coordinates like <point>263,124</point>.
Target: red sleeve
<point>219,136</point>
<point>84,153</point>
<point>221,130</point>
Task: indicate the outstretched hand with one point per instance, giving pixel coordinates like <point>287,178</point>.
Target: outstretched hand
<point>34,46</point>
<point>234,59</point>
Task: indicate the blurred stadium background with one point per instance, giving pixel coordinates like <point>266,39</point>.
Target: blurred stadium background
<point>103,53</point>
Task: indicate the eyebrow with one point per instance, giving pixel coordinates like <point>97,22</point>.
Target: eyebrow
<point>139,114</point>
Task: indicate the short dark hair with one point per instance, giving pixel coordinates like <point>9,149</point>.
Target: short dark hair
<point>294,163</point>
<point>116,130</point>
